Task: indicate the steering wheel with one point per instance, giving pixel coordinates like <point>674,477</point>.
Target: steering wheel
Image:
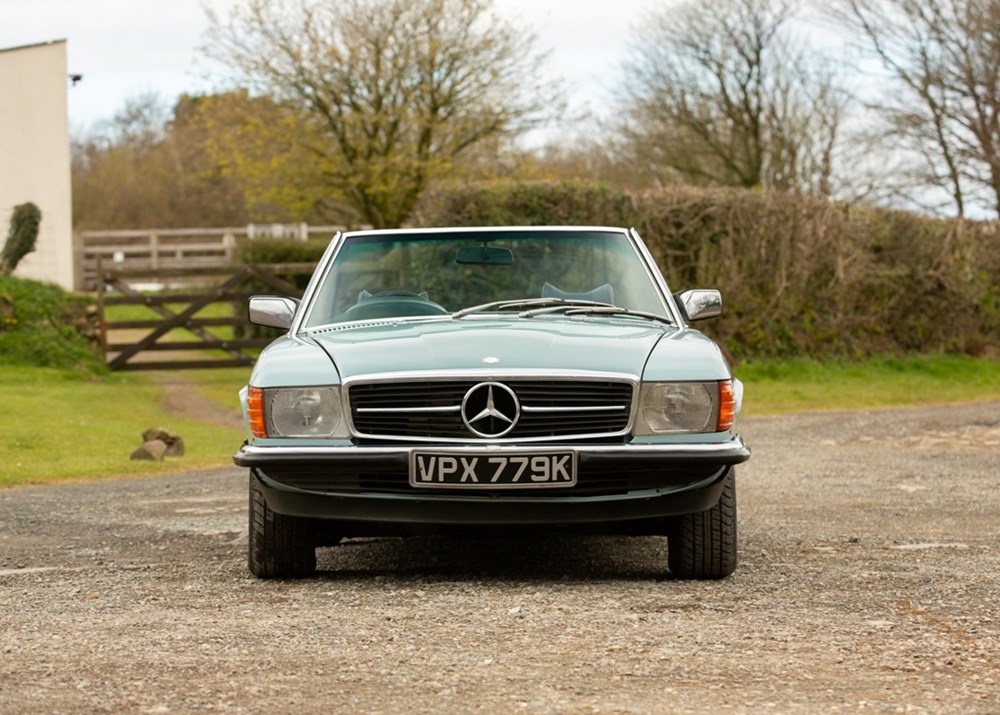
<point>393,304</point>
<point>397,293</point>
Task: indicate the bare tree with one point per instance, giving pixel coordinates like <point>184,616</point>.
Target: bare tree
<point>944,56</point>
<point>718,93</point>
<point>397,89</point>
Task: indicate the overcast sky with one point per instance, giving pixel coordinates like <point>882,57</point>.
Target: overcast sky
<point>127,47</point>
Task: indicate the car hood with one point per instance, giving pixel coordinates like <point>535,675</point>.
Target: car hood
<point>503,345</point>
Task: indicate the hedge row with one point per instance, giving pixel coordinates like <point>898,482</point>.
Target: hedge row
<point>800,277</point>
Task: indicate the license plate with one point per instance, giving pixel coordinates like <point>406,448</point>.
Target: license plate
<point>507,470</point>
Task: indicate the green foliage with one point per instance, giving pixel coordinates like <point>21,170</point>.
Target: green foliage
<point>21,238</point>
<point>800,277</point>
<point>41,325</point>
<point>394,92</point>
<point>225,159</point>
<point>529,204</point>
<point>273,250</point>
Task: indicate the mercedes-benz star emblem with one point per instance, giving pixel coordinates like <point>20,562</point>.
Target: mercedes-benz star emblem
<point>490,409</point>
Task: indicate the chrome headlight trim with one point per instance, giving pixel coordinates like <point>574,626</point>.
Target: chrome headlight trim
<point>305,413</point>
<point>677,408</point>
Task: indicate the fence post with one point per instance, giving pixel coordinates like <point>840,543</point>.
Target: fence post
<point>154,250</point>
<point>102,334</point>
<point>78,269</point>
<point>229,246</point>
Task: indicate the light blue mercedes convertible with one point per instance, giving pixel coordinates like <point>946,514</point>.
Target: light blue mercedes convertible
<point>461,379</point>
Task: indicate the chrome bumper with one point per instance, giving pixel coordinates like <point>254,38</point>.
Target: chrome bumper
<point>733,451</point>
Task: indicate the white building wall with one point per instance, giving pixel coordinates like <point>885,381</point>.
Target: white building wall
<point>35,155</point>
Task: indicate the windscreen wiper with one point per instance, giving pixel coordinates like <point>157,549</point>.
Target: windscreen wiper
<point>597,309</point>
<point>534,304</point>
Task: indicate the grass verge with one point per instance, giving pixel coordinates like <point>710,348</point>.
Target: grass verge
<point>59,426</point>
<point>798,385</point>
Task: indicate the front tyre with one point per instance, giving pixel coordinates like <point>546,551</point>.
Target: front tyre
<point>279,546</point>
<point>703,545</point>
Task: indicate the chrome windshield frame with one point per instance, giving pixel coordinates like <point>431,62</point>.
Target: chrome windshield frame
<point>338,242</point>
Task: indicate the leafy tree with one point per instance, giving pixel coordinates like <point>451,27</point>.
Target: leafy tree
<point>251,149</point>
<point>214,160</point>
<point>393,92</point>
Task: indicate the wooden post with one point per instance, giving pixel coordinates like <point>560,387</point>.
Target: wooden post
<point>154,251</point>
<point>78,284</point>
<point>229,246</point>
<point>101,317</point>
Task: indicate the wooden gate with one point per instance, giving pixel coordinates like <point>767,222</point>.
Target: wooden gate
<point>177,334</point>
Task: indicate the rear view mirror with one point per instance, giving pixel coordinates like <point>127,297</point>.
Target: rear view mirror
<point>484,256</point>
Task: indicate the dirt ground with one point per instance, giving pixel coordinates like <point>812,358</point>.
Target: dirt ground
<point>869,582</point>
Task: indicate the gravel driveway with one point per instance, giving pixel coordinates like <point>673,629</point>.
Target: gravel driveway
<point>869,581</point>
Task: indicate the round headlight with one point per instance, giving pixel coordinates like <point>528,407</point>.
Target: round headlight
<point>305,412</point>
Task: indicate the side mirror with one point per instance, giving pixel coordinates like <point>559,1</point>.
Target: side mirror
<point>699,304</point>
<point>272,311</point>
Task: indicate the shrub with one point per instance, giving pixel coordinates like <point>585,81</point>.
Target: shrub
<point>21,238</point>
<point>528,204</point>
<point>273,250</point>
<point>43,325</point>
<point>279,250</point>
<point>800,277</point>
<point>805,277</point>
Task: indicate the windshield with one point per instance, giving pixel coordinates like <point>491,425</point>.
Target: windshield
<point>387,275</point>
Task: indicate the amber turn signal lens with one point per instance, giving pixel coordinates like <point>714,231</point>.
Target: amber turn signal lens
<point>727,405</point>
<point>255,412</point>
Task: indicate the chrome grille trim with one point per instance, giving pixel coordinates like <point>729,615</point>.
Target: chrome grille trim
<point>555,407</point>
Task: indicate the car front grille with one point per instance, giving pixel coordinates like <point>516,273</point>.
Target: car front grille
<point>549,409</point>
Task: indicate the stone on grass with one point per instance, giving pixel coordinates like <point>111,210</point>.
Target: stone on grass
<point>151,450</point>
<point>174,442</point>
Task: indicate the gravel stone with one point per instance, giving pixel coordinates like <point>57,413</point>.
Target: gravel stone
<point>868,582</point>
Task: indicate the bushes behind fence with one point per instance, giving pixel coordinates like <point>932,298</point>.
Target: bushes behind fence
<point>799,276</point>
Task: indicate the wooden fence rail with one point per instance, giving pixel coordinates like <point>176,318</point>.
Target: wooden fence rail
<point>168,249</point>
<point>127,343</point>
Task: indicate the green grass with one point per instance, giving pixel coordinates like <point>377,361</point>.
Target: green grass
<point>59,426</point>
<point>143,312</point>
<point>798,385</point>
<point>220,385</point>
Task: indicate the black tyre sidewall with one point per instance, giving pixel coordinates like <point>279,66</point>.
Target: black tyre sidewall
<point>704,545</point>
